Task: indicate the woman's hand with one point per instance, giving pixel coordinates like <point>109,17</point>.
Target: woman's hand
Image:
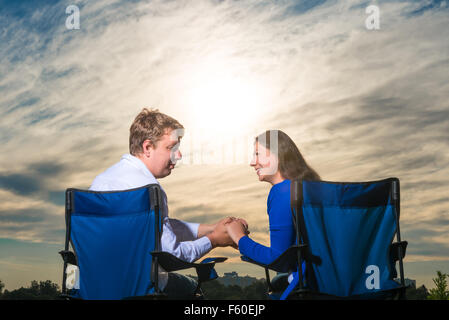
<point>237,229</point>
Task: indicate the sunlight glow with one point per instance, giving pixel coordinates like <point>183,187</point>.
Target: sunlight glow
<point>225,104</point>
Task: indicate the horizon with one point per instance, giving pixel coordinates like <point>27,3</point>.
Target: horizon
<point>360,86</point>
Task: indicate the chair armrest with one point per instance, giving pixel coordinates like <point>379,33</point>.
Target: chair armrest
<point>286,262</point>
<point>246,259</point>
<point>394,252</point>
<point>214,259</point>
<point>204,269</point>
<point>171,263</point>
<point>68,257</point>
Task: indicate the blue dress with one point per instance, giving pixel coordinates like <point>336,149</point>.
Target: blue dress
<point>282,231</point>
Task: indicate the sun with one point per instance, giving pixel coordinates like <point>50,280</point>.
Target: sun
<point>225,104</point>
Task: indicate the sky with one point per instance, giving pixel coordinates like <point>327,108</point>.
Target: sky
<point>362,103</point>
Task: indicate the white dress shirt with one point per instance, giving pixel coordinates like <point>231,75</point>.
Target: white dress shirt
<point>178,237</point>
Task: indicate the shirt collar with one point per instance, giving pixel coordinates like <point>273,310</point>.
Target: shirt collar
<point>137,163</point>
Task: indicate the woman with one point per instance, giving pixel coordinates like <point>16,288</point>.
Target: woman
<point>276,160</point>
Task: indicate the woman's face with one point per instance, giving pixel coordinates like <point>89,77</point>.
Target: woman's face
<point>264,162</point>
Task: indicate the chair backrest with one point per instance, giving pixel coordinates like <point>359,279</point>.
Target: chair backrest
<point>112,234</point>
<point>349,228</point>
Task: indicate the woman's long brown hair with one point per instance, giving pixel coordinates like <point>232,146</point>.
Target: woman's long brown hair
<point>292,164</point>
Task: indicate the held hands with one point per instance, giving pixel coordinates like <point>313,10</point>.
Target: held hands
<point>221,234</point>
<point>237,229</point>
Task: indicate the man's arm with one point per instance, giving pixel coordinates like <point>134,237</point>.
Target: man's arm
<point>188,231</point>
<point>204,228</point>
<point>209,236</point>
<point>185,231</point>
<point>187,250</point>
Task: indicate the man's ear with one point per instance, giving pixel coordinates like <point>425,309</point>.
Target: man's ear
<point>147,147</point>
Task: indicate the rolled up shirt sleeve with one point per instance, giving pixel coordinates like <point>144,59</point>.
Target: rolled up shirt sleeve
<point>185,231</point>
<point>185,250</point>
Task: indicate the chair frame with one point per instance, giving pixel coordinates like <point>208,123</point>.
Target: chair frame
<point>164,259</point>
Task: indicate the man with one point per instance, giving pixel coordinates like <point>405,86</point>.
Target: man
<point>154,149</point>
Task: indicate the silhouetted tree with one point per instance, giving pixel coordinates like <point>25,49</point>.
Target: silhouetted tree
<point>43,290</point>
<point>2,285</point>
<point>256,291</point>
<point>214,290</point>
<point>420,293</point>
<point>440,292</point>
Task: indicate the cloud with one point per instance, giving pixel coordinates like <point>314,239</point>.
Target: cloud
<point>36,222</point>
<point>427,239</point>
<point>360,104</point>
<point>428,6</point>
<point>302,7</point>
<point>19,183</point>
<point>35,178</point>
<point>18,216</point>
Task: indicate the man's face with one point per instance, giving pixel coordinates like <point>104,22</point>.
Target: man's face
<point>165,154</point>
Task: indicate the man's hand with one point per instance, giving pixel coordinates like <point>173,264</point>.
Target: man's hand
<point>219,236</point>
<point>205,229</point>
<point>218,232</point>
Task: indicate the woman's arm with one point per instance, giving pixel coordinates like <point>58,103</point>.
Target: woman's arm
<point>280,241</point>
<point>282,234</point>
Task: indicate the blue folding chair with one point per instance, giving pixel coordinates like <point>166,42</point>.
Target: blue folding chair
<point>115,237</point>
<point>345,248</point>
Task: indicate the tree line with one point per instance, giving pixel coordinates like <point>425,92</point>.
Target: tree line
<point>214,290</point>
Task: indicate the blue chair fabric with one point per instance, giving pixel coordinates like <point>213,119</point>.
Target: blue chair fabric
<point>115,237</point>
<point>345,236</point>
